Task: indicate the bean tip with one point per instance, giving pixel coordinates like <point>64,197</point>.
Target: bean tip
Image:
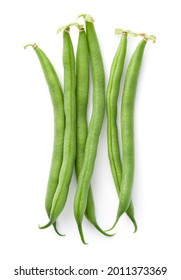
<point>56,230</point>
<point>86,17</point>
<point>82,235</point>
<point>135,228</point>
<point>45,226</point>
<point>30,45</point>
<point>104,231</point>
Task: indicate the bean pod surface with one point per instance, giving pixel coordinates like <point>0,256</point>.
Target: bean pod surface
<point>56,95</point>
<point>69,150</point>
<point>82,91</point>
<point>127,128</point>
<point>112,128</point>
<point>81,196</point>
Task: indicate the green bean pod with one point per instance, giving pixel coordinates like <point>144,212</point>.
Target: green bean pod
<point>56,95</point>
<point>69,150</point>
<point>81,196</point>
<point>127,128</point>
<point>112,129</point>
<point>82,91</point>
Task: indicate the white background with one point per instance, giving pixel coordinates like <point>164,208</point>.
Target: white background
<point>26,125</point>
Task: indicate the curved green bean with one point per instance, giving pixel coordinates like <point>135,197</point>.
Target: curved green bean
<point>69,150</point>
<point>56,95</point>
<point>80,201</point>
<point>112,129</point>
<point>127,128</point>
<point>82,90</point>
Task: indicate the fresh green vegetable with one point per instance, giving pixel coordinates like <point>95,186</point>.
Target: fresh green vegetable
<point>127,126</point>
<point>82,91</point>
<point>81,196</point>
<point>69,150</point>
<point>112,129</point>
<point>56,95</point>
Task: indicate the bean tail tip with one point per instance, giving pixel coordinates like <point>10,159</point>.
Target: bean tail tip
<point>134,223</point>
<point>104,232</point>
<point>46,226</point>
<point>81,234</point>
<point>135,226</point>
<point>115,223</point>
<point>111,228</point>
<point>56,230</point>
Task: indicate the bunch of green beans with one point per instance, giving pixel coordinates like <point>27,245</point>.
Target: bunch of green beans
<point>123,171</point>
<point>75,140</point>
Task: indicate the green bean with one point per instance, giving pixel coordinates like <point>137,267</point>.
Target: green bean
<point>69,150</point>
<point>56,94</point>
<point>112,130</point>
<point>80,201</point>
<point>82,90</point>
<point>127,126</point>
